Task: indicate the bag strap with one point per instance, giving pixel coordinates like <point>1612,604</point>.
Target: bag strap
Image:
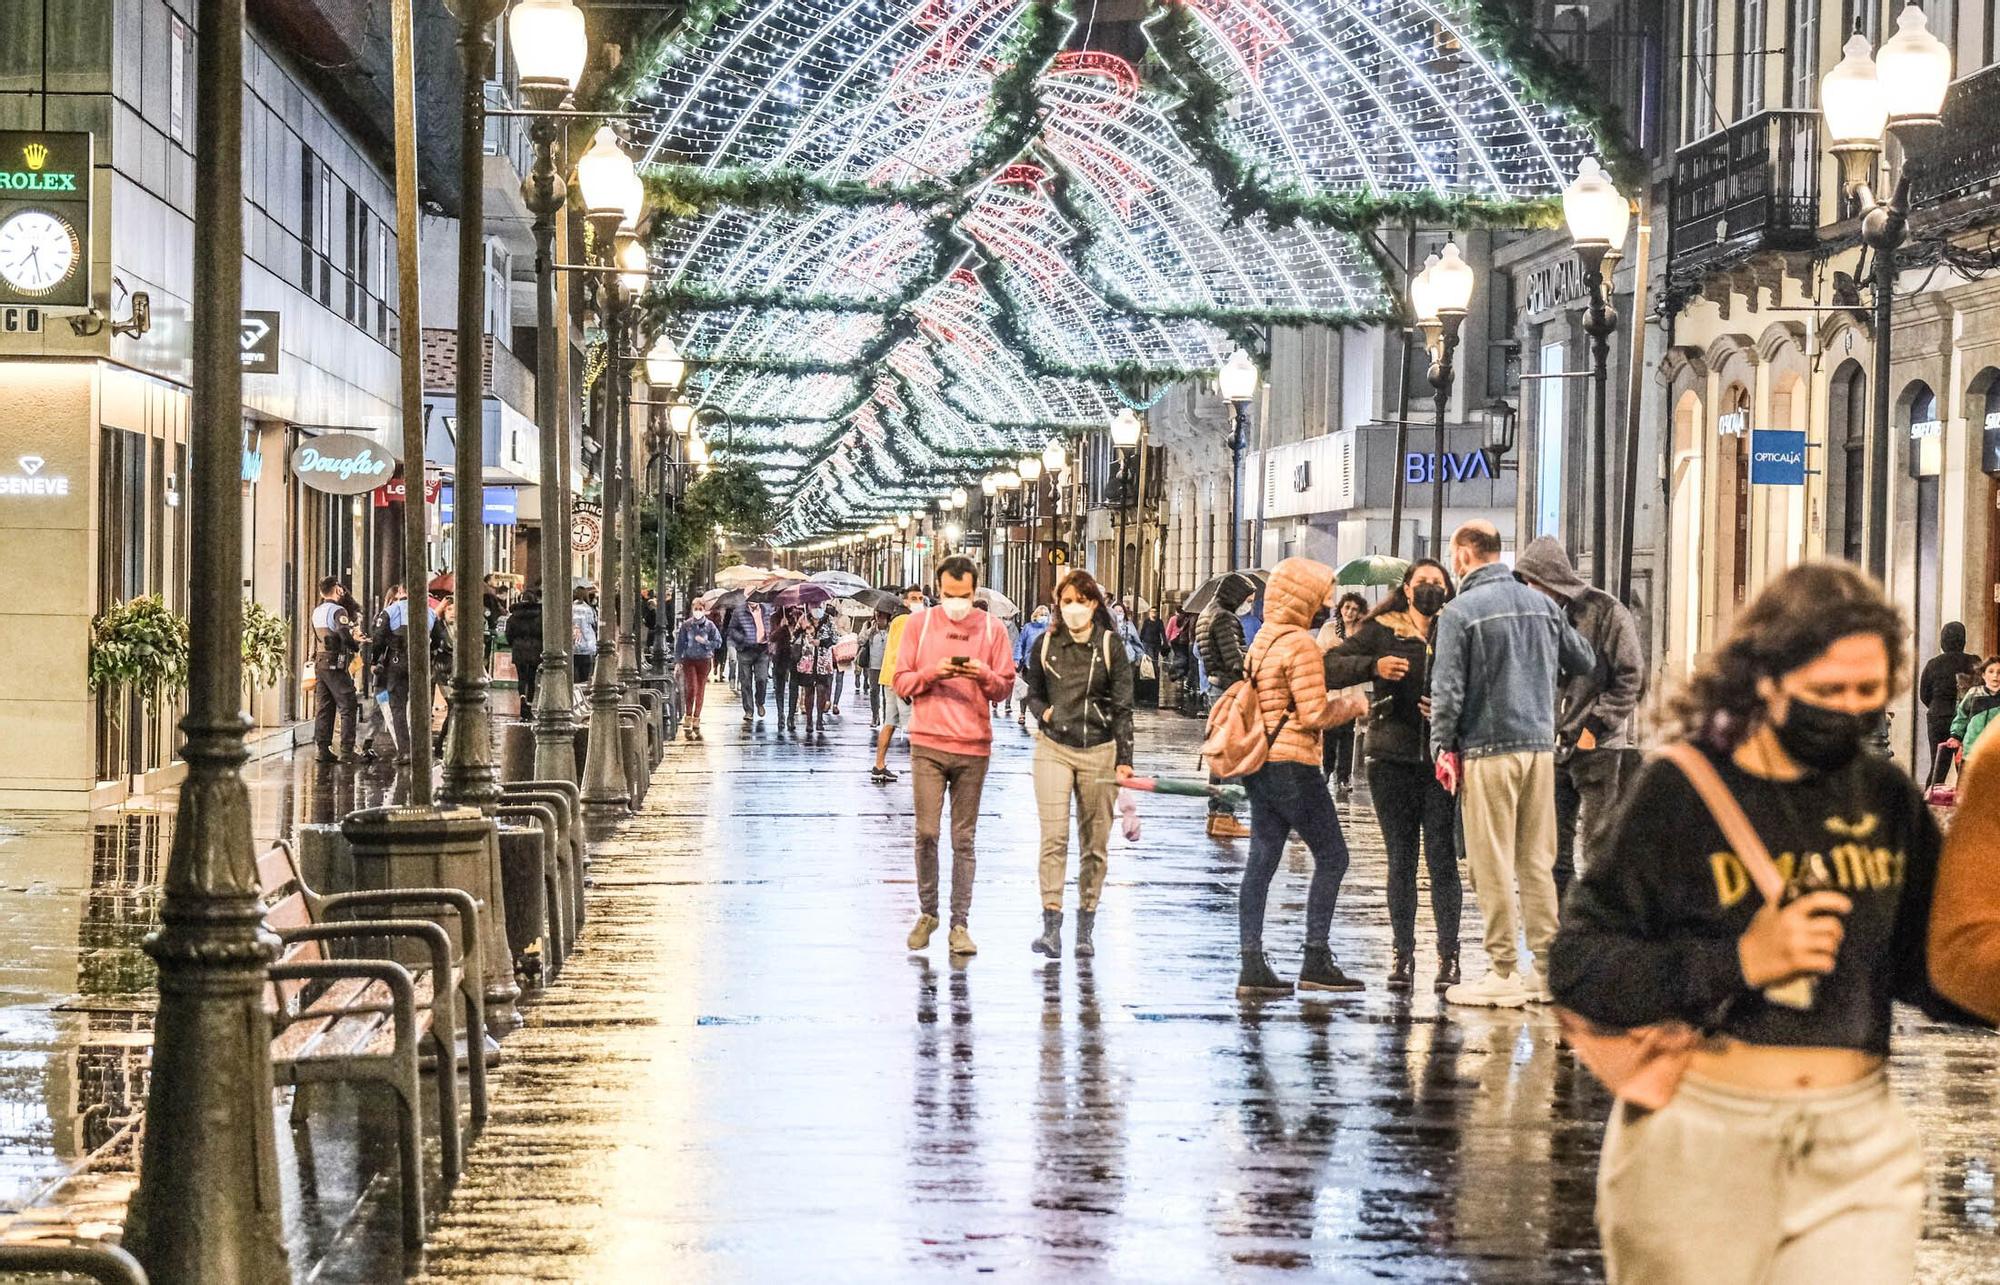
<point>1728,814</point>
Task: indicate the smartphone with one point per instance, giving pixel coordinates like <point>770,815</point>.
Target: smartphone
<point>961,662</point>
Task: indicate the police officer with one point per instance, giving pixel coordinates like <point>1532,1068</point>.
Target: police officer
<point>335,646</point>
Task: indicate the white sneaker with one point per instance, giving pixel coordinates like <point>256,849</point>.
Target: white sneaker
<point>1535,986</point>
<point>1490,991</point>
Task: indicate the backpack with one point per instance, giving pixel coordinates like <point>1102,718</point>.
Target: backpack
<point>1236,743</point>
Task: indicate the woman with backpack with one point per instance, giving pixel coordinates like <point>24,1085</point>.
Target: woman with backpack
<point>1079,692</point>
<point>1286,672</point>
<point>1392,649</point>
<point>1781,1131</point>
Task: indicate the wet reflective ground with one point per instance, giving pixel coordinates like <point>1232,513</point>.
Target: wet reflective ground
<point>745,1076</point>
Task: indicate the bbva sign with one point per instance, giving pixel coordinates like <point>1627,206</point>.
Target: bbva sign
<point>342,464</point>
<point>1459,466</point>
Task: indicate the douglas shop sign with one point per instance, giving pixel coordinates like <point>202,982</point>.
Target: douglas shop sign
<point>342,464</point>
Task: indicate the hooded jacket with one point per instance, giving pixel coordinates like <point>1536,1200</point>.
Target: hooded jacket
<point>1218,634</point>
<point>1602,698</point>
<point>1286,664</point>
<point>1938,688</point>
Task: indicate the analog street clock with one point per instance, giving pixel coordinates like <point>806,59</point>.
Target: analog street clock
<point>38,252</point>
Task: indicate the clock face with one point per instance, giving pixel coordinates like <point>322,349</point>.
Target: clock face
<point>38,251</point>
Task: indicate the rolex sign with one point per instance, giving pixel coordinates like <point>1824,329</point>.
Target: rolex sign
<point>343,464</point>
<point>44,219</point>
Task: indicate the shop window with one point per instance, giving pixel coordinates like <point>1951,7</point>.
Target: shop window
<point>1551,434</point>
<point>1847,462</point>
<point>1925,432</point>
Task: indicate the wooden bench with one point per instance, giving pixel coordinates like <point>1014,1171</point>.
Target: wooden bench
<point>364,1019</point>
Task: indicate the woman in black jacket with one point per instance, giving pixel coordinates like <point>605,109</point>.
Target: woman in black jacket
<point>1392,648</point>
<point>524,644</point>
<point>1940,691</point>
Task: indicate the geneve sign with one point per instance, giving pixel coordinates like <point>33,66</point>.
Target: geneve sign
<point>343,464</point>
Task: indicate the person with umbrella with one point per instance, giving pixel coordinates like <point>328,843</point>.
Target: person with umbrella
<point>813,639</point>
<point>1218,638</point>
<point>749,636</point>
<point>1079,690</point>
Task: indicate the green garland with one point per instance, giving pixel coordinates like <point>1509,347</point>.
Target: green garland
<point>1507,29</point>
<point>1014,115</point>
<point>687,191</point>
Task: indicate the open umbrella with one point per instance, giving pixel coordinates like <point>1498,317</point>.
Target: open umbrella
<point>1197,602</point>
<point>726,599</point>
<point>881,600</point>
<point>843,583</point>
<point>1375,569</point>
<point>805,595</point>
<point>854,609</point>
<point>741,576</point>
<point>998,603</point>
<point>786,573</point>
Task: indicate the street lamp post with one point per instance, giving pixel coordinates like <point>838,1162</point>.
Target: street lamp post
<point>665,369</point>
<point>1905,97</point>
<point>612,195</point>
<point>1237,381</point>
<point>549,43</point>
<point>1598,218</point>
<point>1125,433</point>
<point>1439,296</point>
<point>208,1207</point>
<point>633,268</point>
<point>471,777</point>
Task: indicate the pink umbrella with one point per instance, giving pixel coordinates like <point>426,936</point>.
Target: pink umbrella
<point>805,595</point>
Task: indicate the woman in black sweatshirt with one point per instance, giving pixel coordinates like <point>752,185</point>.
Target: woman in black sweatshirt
<point>1783,1154</point>
<point>1392,648</point>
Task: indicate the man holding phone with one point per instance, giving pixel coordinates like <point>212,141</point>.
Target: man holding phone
<point>951,665</point>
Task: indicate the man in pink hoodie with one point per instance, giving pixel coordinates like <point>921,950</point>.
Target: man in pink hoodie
<point>953,663</point>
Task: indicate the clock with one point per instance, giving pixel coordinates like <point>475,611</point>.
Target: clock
<point>38,252</point>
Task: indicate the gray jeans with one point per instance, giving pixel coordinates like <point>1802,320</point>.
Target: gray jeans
<point>932,773</point>
<point>753,670</point>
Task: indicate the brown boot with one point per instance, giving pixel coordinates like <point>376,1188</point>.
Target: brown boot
<point>1223,826</point>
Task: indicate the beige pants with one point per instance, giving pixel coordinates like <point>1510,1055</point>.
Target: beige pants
<point>1507,807</point>
<point>933,774</point>
<point>1090,777</point>
<point>1725,1186</point>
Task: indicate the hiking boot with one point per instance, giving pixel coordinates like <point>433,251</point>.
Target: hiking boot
<point>920,936</point>
<point>1495,990</point>
<point>1321,973</point>
<point>1050,942</point>
<point>1448,975</point>
<point>1402,971</point>
<point>1086,920</point>
<point>1256,980</point>
<point>960,941</point>
<point>1223,826</point>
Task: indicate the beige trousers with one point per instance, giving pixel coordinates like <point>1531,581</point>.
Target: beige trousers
<point>1725,1186</point>
<point>1090,778</point>
<point>1507,808</point>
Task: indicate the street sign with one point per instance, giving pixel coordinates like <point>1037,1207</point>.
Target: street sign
<point>45,246</point>
<point>1777,457</point>
<point>499,505</point>
<point>1058,554</point>
<point>343,464</point>
<point>586,525</point>
<point>258,340</point>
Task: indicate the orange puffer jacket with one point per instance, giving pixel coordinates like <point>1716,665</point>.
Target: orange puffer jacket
<point>1287,663</point>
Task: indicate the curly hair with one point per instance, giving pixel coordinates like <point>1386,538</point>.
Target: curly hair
<point>1791,623</point>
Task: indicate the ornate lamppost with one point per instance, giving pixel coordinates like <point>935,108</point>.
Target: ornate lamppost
<point>1125,433</point>
<point>550,47</point>
<point>1237,382</point>
<point>1439,296</point>
<point>1598,218</point>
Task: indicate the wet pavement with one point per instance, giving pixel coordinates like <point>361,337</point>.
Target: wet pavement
<point>745,1076</point>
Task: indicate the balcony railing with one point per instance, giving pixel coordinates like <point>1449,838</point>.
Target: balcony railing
<point>1753,186</point>
<point>1963,159</point>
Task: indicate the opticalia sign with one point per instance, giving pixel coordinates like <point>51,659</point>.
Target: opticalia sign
<point>31,480</point>
<point>342,464</point>
<point>1459,466</point>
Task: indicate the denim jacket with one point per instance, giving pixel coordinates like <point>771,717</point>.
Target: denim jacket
<point>1501,646</point>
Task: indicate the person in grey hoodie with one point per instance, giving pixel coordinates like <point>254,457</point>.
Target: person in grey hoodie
<point>1595,754</point>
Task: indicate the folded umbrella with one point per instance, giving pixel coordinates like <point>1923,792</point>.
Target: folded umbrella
<point>1192,788</point>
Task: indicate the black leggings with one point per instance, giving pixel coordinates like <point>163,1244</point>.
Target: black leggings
<point>1411,805</point>
<point>1285,798</point>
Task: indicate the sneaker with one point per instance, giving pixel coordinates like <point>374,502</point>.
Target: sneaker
<point>746,722</point>
<point>760,713</point>
<point>882,776</point>
<point>920,936</point>
<point>1536,986</point>
<point>1491,991</point>
<point>1255,980</point>
<point>1321,973</point>
<point>1343,794</point>
<point>961,941</point>
<point>1223,826</point>
<point>1050,942</point>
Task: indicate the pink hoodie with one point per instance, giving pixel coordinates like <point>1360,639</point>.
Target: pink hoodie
<point>953,715</point>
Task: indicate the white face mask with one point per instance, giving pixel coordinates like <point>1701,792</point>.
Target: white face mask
<point>1077,616</point>
<point>956,609</point>
<point>1244,610</point>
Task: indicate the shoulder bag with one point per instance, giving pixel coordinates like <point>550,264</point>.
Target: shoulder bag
<point>1643,1065</point>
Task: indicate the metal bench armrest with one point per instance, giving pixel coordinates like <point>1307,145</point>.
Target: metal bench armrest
<point>106,1264</point>
<point>422,930</point>
<point>459,902</point>
<point>402,988</point>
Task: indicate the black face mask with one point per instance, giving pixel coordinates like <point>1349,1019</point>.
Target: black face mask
<point>1428,598</point>
<point>1823,739</point>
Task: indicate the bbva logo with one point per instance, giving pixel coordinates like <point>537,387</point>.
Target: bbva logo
<point>1459,466</point>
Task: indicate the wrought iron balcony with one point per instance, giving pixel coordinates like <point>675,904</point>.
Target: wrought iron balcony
<point>1963,159</point>
<point>1753,186</point>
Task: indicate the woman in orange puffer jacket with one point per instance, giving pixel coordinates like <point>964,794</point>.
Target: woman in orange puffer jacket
<point>1288,793</point>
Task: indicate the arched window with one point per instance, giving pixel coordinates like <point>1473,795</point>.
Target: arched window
<point>1925,430</point>
<point>1847,462</point>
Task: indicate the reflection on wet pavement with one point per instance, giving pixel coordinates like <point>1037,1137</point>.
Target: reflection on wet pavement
<point>744,1075</point>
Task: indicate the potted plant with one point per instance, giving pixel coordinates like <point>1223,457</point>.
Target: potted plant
<point>141,647</point>
<point>265,648</point>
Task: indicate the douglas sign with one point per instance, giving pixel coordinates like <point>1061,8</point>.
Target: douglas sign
<point>342,464</point>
